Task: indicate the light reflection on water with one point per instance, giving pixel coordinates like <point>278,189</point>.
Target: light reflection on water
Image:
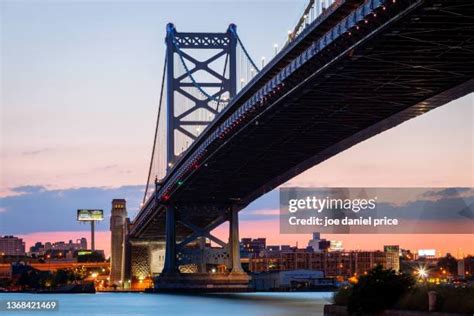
<point>304,303</point>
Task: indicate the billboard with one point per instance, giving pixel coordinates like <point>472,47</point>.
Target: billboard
<point>427,252</point>
<point>84,252</point>
<point>90,215</point>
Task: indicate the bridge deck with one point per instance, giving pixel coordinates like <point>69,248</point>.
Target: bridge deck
<point>388,67</point>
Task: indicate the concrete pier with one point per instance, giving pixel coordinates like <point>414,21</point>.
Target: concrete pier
<point>202,282</point>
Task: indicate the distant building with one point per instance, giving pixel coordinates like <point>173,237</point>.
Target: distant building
<point>253,245</point>
<point>466,267</point>
<point>284,280</point>
<point>37,248</point>
<point>83,243</point>
<point>319,245</point>
<point>315,242</point>
<point>70,247</point>
<point>392,254</point>
<point>117,222</point>
<point>12,246</point>
<point>285,248</point>
<point>332,264</point>
<point>274,249</point>
<point>335,245</point>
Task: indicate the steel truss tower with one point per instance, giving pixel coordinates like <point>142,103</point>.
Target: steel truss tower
<point>181,45</point>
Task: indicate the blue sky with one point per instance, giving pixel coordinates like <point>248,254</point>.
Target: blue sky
<point>81,80</point>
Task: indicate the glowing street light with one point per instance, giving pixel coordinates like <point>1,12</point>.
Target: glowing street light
<point>422,272</point>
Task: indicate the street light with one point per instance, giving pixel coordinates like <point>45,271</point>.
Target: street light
<point>422,272</point>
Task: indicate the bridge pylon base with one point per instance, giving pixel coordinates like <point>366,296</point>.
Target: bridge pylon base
<point>202,282</point>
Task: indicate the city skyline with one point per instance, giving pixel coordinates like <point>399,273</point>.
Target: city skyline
<point>437,242</point>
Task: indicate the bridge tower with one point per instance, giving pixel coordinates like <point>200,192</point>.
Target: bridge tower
<point>212,89</point>
<point>117,226</point>
<point>194,80</point>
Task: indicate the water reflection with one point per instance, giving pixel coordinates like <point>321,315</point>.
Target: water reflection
<point>308,303</point>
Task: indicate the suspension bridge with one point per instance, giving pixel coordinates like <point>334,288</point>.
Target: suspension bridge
<point>229,130</point>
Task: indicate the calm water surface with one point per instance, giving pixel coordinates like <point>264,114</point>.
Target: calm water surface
<point>166,304</point>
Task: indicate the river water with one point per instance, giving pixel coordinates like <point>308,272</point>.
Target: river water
<point>242,304</point>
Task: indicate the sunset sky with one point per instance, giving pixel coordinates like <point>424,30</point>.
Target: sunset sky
<point>79,90</point>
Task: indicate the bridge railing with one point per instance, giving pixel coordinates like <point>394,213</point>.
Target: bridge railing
<point>314,10</point>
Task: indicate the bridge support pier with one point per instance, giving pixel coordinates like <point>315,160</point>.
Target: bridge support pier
<point>202,248</point>
<point>233,280</point>
<point>170,255</point>
<point>234,241</point>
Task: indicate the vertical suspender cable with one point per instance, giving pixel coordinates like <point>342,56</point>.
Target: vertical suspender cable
<point>156,128</point>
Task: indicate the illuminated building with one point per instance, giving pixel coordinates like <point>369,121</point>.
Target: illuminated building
<point>466,267</point>
<point>333,264</point>
<point>336,245</point>
<point>392,254</point>
<point>250,246</point>
<point>12,246</point>
<point>117,221</point>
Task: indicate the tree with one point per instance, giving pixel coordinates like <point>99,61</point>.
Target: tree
<point>378,290</point>
<point>5,283</point>
<point>61,277</point>
<point>24,279</point>
<point>448,263</point>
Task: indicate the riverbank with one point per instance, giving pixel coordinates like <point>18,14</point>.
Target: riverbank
<point>337,310</point>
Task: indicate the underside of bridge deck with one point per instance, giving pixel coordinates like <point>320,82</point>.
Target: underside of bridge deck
<point>402,66</point>
<point>402,62</point>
